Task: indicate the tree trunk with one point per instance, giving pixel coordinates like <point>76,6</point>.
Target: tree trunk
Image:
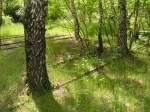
<point>122,39</point>
<point>73,10</point>
<point>1,10</point>
<point>100,40</point>
<point>136,28</point>
<point>35,46</point>
<point>75,19</point>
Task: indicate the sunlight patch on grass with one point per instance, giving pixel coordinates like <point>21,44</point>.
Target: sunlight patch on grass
<point>9,30</point>
<point>121,86</point>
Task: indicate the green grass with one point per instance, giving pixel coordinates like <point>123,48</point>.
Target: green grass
<point>12,29</point>
<point>11,70</point>
<point>121,86</point>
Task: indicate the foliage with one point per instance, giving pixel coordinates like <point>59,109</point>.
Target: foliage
<point>55,11</point>
<point>14,8</point>
<point>123,85</point>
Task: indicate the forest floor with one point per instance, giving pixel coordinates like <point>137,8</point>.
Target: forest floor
<point>122,85</point>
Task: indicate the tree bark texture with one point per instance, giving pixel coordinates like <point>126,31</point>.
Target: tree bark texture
<point>100,40</point>
<point>75,19</point>
<point>122,39</point>
<point>35,46</point>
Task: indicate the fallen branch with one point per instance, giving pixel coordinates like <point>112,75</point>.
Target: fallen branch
<point>51,37</point>
<point>13,43</point>
<point>21,37</point>
<point>9,48</point>
<point>21,42</point>
<point>88,73</point>
<point>11,37</point>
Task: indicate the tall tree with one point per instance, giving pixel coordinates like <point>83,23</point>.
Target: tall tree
<point>1,8</point>
<point>136,25</point>
<point>72,8</point>
<point>75,19</point>
<point>35,46</point>
<point>1,20</point>
<point>100,40</point>
<point>122,37</point>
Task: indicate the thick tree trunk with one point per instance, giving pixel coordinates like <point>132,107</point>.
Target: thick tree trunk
<point>122,39</point>
<point>100,40</point>
<point>34,25</point>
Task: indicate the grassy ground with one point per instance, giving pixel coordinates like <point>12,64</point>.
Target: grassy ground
<point>123,85</point>
<point>11,29</point>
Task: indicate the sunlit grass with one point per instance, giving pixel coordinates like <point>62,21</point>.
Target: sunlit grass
<point>121,86</point>
<point>15,29</point>
<point>12,29</point>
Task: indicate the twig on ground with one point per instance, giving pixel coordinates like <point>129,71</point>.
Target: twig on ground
<point>88,73</point>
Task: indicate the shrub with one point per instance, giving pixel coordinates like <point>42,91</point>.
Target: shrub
<point>14,9</point>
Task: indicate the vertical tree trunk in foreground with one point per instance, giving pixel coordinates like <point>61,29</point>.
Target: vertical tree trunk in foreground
<point>100,40</point>
<point>122,39</point>
<point>35,46</point>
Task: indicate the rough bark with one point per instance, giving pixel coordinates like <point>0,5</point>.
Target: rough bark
<point>35,46</point>
<point>122,39</point>
<point>100,40</point>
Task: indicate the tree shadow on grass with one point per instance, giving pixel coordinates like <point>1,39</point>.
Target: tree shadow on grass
<point>85,103</point>
<point>11,68</point>
<point>45,102</point>
<point>130,88</point>
<point>121,66</point>
<point>83,100</point>
<point>147,104</point>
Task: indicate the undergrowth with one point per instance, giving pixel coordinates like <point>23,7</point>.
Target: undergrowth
<point>121,86</point>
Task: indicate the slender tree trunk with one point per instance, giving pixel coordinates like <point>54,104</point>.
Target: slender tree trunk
<point>1,10</point>
<point>100,40</point>
<point>75,19</point>
<point>1,21</point>
<point>35,46</point>
<point>122,39</point>
<point>77,26</point>
<point>136,28</point>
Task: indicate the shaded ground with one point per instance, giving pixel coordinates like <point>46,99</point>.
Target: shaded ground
<point>122,86</point>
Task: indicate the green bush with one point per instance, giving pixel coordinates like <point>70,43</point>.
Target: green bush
<point>13,8</point>
<point>54,11</point>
